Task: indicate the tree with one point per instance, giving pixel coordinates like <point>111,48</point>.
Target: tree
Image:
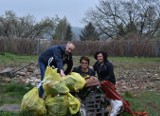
<point>25,27</point>
<point>68,35</point>
<point>119,17</point>
<point>61,29</point>
<point>89,33</point>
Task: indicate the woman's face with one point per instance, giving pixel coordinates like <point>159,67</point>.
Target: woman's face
<point>84,64</point>
<point>100,58</point>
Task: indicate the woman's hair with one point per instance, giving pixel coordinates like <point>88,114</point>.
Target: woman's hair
<point>84,58</point>
<point>104,54</point>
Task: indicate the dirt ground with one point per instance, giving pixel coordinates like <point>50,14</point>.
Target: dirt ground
<point>138,78</point>
<point>133,78</point>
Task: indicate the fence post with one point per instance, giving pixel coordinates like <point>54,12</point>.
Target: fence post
<point>38,46</point>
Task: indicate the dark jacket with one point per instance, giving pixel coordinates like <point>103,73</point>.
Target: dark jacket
<point>59,57</point>
<point>84,74</point>
<point>105,71</point>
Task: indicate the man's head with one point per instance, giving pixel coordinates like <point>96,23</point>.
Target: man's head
<point>69,47</point>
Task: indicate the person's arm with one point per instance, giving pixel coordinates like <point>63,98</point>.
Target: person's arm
<point>91,72</point>
<point>62,73</point>
<point>74,69</point>
<point>95,67</point>
<point>111,75</point>
<point>69,63</point>
<point>59,60</point>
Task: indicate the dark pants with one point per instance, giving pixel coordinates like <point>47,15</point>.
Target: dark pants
<point>42,67</point>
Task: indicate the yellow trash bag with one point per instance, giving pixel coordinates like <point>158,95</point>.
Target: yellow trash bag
<point>74,104</point>
<point>57,106</point>
<point>74,81</point>
<point>33,103</point>
<point>53,83</point>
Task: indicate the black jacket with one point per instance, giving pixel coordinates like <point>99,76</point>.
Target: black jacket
<point>59,58</point>
<point>105,71</point>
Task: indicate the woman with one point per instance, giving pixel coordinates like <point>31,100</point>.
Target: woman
<point>103,67</point>
<point>105,73</point>
<point>84,70</point>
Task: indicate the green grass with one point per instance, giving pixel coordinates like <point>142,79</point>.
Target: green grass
<point>13,59</point>
<point>126,60</point>
<point>12,92</point>
<point>136,60</point>
<point>144,102</point>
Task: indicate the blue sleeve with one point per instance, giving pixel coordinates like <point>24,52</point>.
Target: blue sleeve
<point>58,57</point>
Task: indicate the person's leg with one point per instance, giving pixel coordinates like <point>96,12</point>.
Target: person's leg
<point>117,107</point>
<point>42,70</point>
<point>115,98</point>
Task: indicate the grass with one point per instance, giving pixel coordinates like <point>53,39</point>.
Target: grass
<point>135,59</point>
<point>13,59</point>
<point>145,102</point>
<point>8,59</point>
<point>12,93</point>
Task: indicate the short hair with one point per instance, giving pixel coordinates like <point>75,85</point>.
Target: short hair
<point>84,58</point>
<point>104,54</point>
<point>69,42</point>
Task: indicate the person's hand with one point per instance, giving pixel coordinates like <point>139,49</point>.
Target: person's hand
<point>62,73</point>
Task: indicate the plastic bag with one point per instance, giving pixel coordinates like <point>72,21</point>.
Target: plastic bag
<point>33,103</point>
<point>51,74</point>
<point>73,104</point>
<point>53,83</point>
<point>57,106</point>
<point>74,81</point>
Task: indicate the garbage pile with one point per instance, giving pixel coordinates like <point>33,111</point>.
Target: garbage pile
<point>58,100</point>
<point>25,75</point>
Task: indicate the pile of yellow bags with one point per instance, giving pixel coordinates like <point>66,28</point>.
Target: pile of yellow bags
<point>59,102</point>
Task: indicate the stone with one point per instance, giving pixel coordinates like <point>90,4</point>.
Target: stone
<point>10,108</point>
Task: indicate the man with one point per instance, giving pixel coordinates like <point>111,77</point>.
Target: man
<point>56,56</point>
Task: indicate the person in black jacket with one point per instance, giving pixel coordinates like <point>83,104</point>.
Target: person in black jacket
<point>103,67</point>
<point>56,56</point>
<point>105,73</point>
<point>84,70</point>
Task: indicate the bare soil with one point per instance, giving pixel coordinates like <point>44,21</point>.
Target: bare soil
<point>138,77</point>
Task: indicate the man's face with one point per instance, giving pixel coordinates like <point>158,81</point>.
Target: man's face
<point>69,48</point>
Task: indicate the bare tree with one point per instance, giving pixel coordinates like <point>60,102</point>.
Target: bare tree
<point>12,26</point>
<point>120,17</point>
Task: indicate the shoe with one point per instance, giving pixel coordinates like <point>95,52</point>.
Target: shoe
<point>117,106</point>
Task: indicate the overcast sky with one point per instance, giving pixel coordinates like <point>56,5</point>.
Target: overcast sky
<point>73,9</point>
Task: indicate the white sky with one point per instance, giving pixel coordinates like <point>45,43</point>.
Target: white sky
<point>74,10</point>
